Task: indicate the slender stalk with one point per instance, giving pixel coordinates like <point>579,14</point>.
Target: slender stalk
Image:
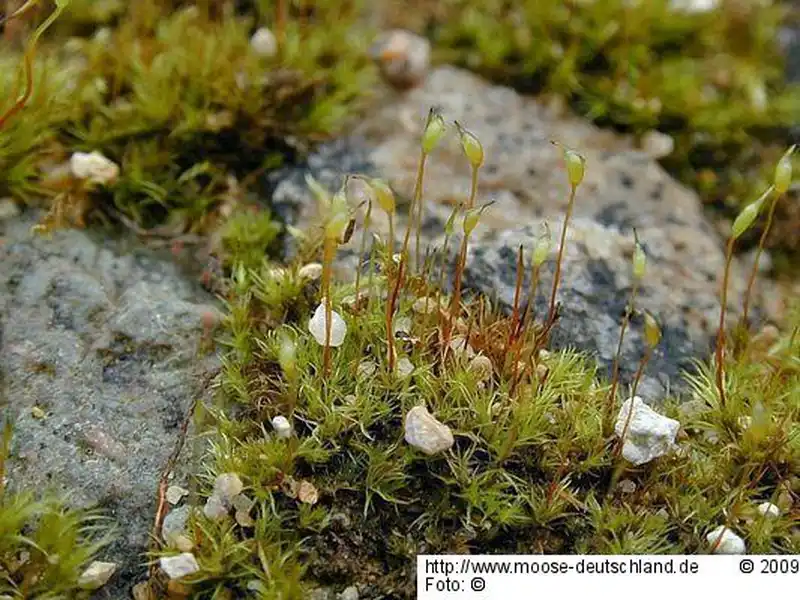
<point>362,247</point>
<point>280,24</point>
<point>530,308</point>
<point>719,355</point>
<point>327,259</point>
<point>391,236</point>
<point>390,306</point>
<point>370,277</point>
<point>642,363</point>
<point>415,202</point>
<point>515,310</point>
<point>473,190</point>
<point>762,240</point>
<point>456,300</point>
<point>20,103</point>
<point>612,394</point>
<point>557,275</point>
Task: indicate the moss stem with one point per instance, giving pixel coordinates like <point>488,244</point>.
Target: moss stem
<point>557,276</point>
<point>719,355</point>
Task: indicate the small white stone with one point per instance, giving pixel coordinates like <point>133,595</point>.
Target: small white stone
<point>758,96</point>
<point>216,507</point>
<point>694,6</point>
<point>263,42</point>
<point>317,323</point>
<point>175,493</point>
<point>181,542</point>
<point>243,518</point>
<point>8,209</point>
<point>180,565</point>
<point>403,57</point>
<point>649,434</point>
<point>768,509</point>
<point>307,493</point>
<point>103,35</point>
<point>282,427</point>
<point>657,144</point>
<point>481,366</point>
<point>402,326</point>
<point>93,166</point>
<point>96,575</point>
<point>460,347</point>
<point>349,593</point>
<point>404,367</point>
<point>366,369</point>
<point>228,485</point>
<point>175,523</point>
<point>243,503</point>
<point>723,541</point>
<point>310,272</point>
<point>424,432</point>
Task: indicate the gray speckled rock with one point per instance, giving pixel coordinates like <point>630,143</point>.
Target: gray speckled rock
<point>524,175</point>
<point>596,280</point>
<point>106,344</point>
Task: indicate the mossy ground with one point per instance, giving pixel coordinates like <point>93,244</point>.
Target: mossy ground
<point>533,467</point>
<point>44,544</point>
<point>713,81</point>
<point>174,94</point>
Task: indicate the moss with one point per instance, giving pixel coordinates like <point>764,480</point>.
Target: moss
<point>247,237</point>
<point>176,97</point>
<point>531,469</point>
<point>714,81</point>
<point>44,545</point>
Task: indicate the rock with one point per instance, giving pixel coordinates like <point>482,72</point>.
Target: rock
<point>694,6</point>
<point>96,575</point>
<point>366,369</point>
<point>424,432</point>
<point>216,507</point>
<point>402,56</point>
<point>282,427</point>
<point>179,566</point>
<point>310,272</point>
<point>349,593</point>
<point>263,43</point>
<point>404,367</point>
<point>481,366</point>
<point>175,494</point>
<point>768,509</point>
<point>175,523</point>
<point>594,290</point>
<point>318,323</point>
<point>626,486</point>
<point>307,493</point>
<point>657,145</point>
<point>104,338</point>
<point>228,485</point>
<point>647,434</point>
<point>8,209</point>
<point>723,541</point>
<point>94,167</point>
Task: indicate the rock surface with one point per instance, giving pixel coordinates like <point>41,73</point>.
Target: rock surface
<point>525,177</point>
<point>103,342</point>
<point>647,434</point>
